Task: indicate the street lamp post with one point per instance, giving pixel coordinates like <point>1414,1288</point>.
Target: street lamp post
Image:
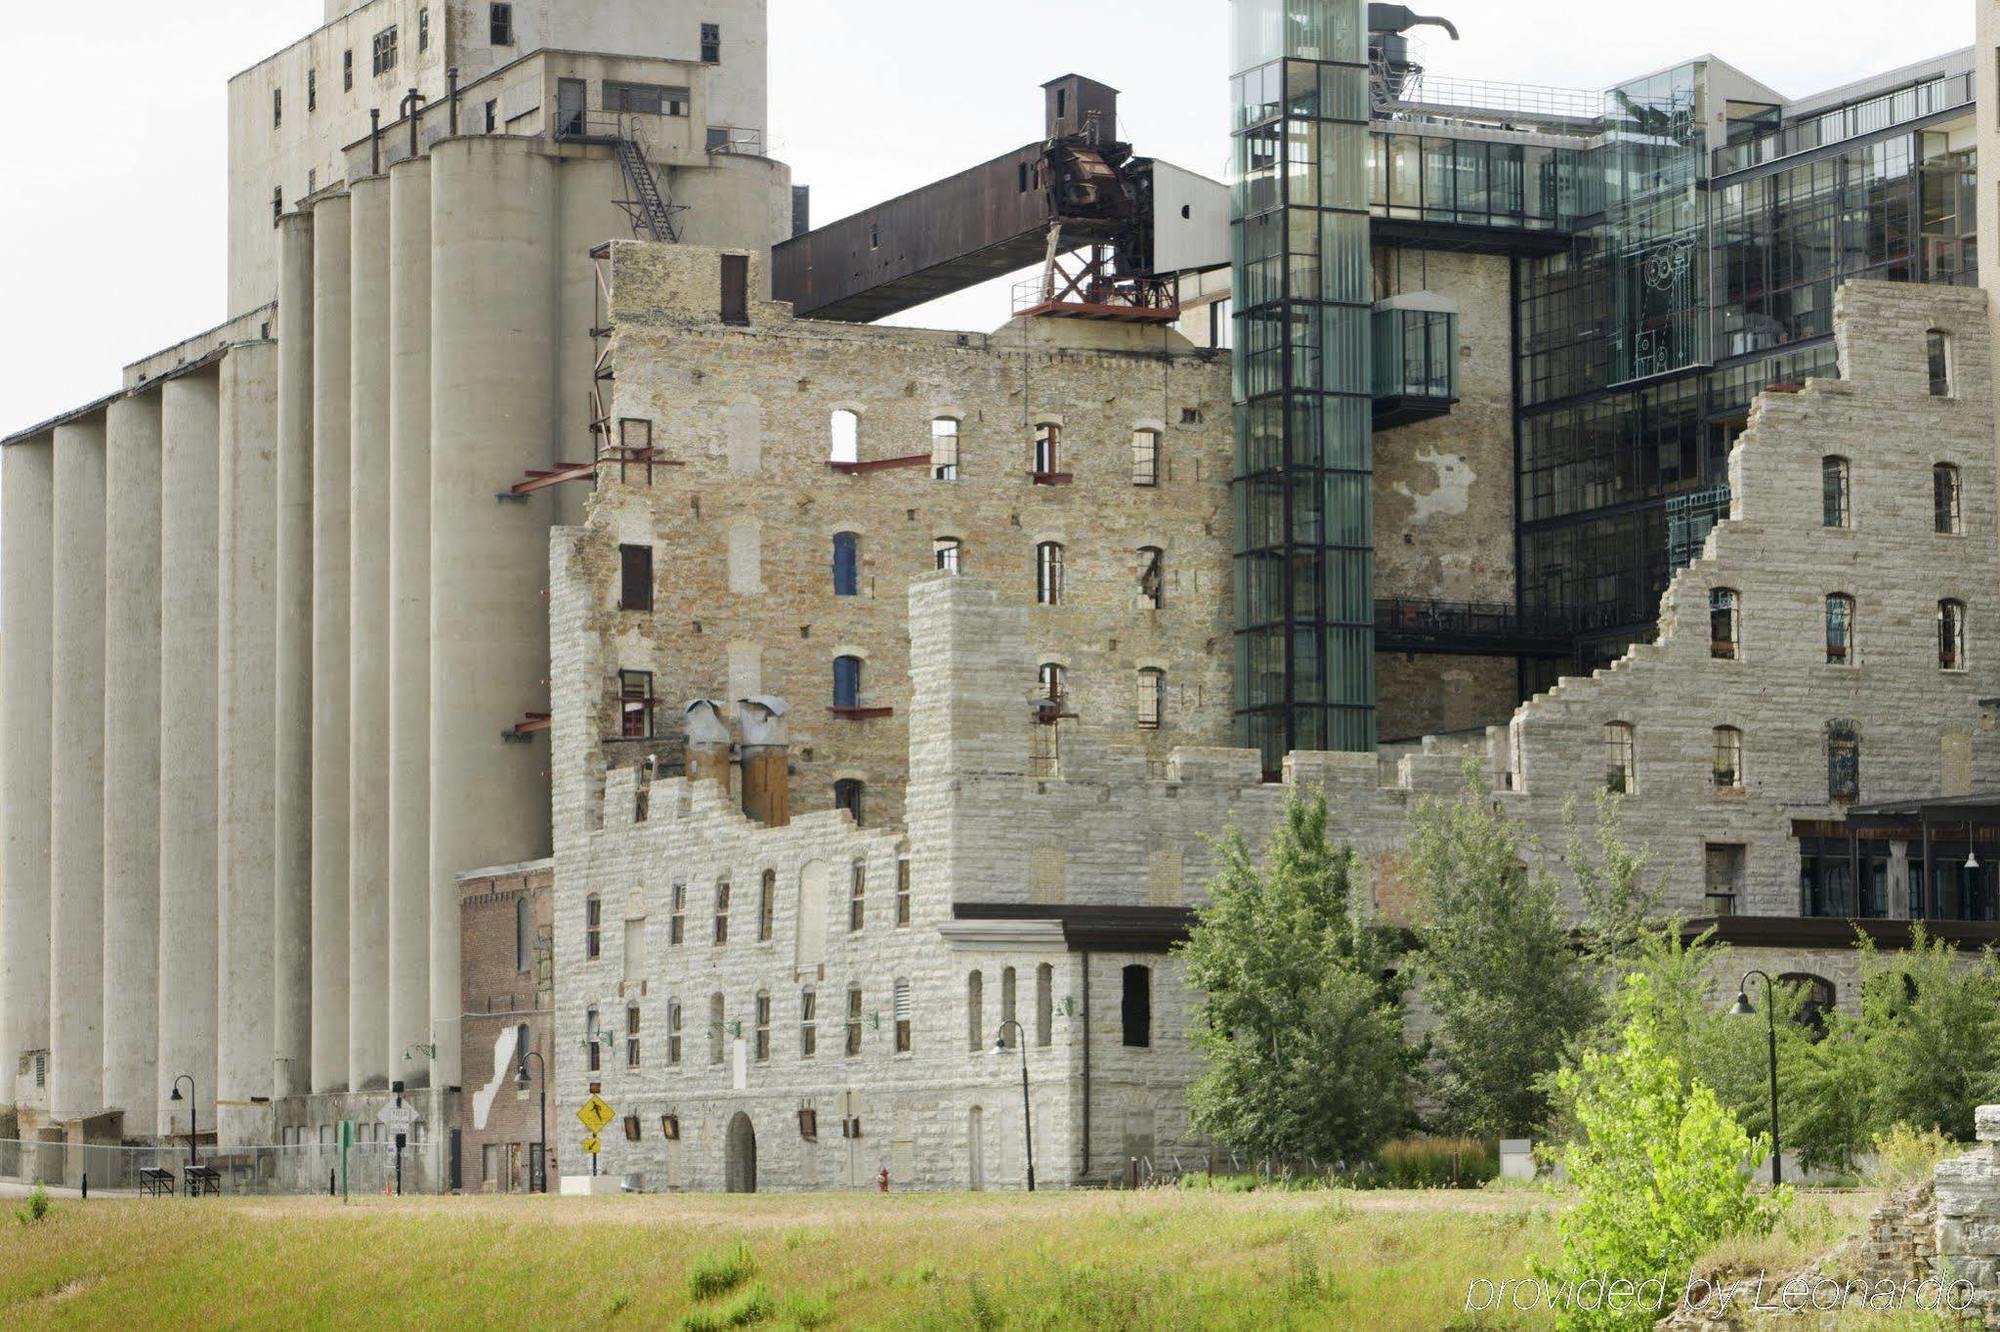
<point>1027,1109</point>
<point>542,1149</point>
<point>1742,1008</point>
<point>175,1095</point>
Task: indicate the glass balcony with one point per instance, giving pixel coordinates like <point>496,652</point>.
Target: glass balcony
<point>1415,369</point>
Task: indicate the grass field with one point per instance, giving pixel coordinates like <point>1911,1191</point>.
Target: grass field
<point>1381,1261</point>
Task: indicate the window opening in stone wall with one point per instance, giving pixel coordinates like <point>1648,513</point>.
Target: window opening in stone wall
<point>717,1035</point>
<point>347,71</point>
<point>1937,348</point>
<point>500,24</point>
<point>853,1020</point>
<point>975,1011</point>
<point>711,43</point>
<point>1722,624</point>
<point>1620,773</point>
<point>1048,449</point>
<point>902,893</point>
<point>312,90</point>
<point>1835,500</point>
<point>632,1036</point>
<point>1009,1014</point>
<point>1728,759</point>
<point>947,551</point>
<point>1045,1004</point>
<point>808,1024</point>
<point>385,50</point>
<point>1945,499</point>
<point>277,108</point>
<point>1136,1007</point>
<point>674,1032</point>
<point>845,429</point>
<point>423,30</point>
<point>847,795</point>
<point>592,1046</point>
<point>1049,573</point>
<point>1152,698</point>
<point>944,448</point>
<point>524,933</point>
<point>905,1014</point>
<point>847,682</point>
<point>593,928</point>
<point>763,1042</point>
<point>1843,763</point>
<point>1152,576</point>
<point>767,905</point>
<point>722,912</point>
<point>1951,635</point>
<point>635,705</point>
<point>736,289</point>
<point>857,891</point>
<point>846,564</point>
<point>677,920</point>
<point>1816,1001</point>
<point>635,578</point>
<point>1839,629</point>
<point>1723,878</point>
<point>1145,457</point>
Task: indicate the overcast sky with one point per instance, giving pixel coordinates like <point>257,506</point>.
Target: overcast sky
<point>112,241</point>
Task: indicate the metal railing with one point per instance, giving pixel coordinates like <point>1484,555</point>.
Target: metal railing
<point>1407,624</point>
<point>242,1171</point>
<point>1526,100</point>
<point>1850,121</point>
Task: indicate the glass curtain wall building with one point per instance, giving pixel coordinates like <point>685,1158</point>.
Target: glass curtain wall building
<point>1304,556</point>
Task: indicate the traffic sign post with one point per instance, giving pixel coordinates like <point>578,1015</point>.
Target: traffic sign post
<point>346,1144</point>
<point>399,1115</point>
<point>595,1114</point>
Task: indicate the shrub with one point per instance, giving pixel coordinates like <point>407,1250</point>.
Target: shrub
<point>1661,1173</point>
<point>750,1306</point>
<point>1904,1155</point>
<point>1438,1163</point>
<point>37,1206</point>
<point>810,1310</point>
<point>719,1273</point>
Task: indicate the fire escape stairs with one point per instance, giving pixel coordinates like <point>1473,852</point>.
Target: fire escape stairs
<point>649,209</point>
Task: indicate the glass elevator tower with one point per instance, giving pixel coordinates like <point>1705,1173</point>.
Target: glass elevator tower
<point>1304,523</point>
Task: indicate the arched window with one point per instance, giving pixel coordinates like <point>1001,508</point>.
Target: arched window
<point>808,1024</point>
<point>1843,763</point>
<point>944,448</point>
<point>905,1016</point>
<point>1839,629</point>
<point>1835,501</point>
<point>1152,698</point>
<point>1951,635</point>
<point>946,551</point>
<point>846,565</point>
<point>674,1032</point>
<point>857,897</point>
<point>1937,348</point>
<point>854,1020</point>
<point>722,912</point>
<point>903,892</point>
<point>975,1012</point>
<point>847,682</point>
<point>593,1048</point>
<point>846,430</point>
<point>763,1039</point>
<point>1152,576</point>
<point>1051,678</point>
<point>847,795</point>
<point>677,918</point>
<point>593,928</point>
<point>1009,1012</point>
<point>1045,734</point>
<point>1048,449</point>
<point>1816,999</point>
<point>1135,1009</point>
<point>1049,573</point>
<point>1620,763</point>
<point>1945,495</point>
<point>1728,759</point>
<point>1145,457</point>
<point>1045,1004</point>
<point>717,1037</point>
<point>632,1036</point>
<point>767,905</point>
<point>1723,610</point>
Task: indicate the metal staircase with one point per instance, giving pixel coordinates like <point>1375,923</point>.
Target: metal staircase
<point>648,208</point>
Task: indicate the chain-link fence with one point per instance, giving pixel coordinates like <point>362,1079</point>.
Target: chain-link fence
<point>237,1171</point>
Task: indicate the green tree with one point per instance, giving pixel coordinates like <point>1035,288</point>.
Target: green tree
<point>1930,1028</point>
<point>1300,1035</point>
<point>1499,967</point>
<point>1620,909</point>
<point>1659,1167</point>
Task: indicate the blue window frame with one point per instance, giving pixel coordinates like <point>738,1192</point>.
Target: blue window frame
<point>847,682</point>
<point>846,565</point>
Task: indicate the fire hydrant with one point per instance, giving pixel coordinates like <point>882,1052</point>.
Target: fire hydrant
<point>882,1180</point>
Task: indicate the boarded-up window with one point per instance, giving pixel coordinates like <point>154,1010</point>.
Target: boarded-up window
<point>635,578</point>
<point>635,950</point>
<point>736,289</point>
<point>1136,1007</point>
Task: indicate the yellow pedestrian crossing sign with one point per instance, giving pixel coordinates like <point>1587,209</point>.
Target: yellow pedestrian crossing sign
<point>591,1145</point>
<point>595,1114</point>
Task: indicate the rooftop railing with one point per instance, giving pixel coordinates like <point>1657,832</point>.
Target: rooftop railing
<point>1525,100</point>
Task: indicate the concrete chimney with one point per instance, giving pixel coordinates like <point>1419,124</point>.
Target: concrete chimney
<point>767,782</point>
<point>707,743</point>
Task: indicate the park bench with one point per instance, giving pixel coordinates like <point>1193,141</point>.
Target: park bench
<point>157,1182</point>
<point>202,1180</point>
